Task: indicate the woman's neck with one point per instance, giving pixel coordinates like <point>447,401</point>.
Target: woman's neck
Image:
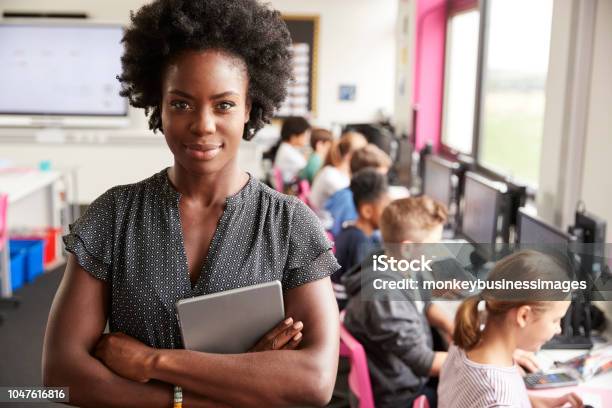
<point>496,347</point>
<point>208,189</point>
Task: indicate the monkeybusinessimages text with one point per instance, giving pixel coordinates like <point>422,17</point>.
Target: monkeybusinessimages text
<point>384,263</point>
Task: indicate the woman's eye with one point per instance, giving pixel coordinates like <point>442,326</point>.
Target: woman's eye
<point>180,105</point>
<point>225,106</point>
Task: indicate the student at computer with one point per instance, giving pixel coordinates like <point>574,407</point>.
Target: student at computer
<point>340,206</point>
<point>480,370</point>
<point>336,172</point>
<point>358,239</point>
<point>290,159</point>
<point>209,74</point>
<point>396,335</point>
<point>321,141</point>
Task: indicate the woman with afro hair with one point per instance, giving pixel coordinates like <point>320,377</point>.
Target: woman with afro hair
<point>208,73</point>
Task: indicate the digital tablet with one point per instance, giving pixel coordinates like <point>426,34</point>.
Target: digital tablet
<point>231,321</point>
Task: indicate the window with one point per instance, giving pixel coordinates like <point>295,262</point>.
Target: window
<point>513,87</point>
<point>460,81</point>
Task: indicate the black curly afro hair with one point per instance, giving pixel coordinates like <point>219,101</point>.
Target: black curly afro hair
<point>243,28</point>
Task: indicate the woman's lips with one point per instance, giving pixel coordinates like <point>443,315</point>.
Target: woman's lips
<point>203,151</point>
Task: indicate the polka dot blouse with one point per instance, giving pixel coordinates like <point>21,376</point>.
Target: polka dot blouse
<point>131,237</point>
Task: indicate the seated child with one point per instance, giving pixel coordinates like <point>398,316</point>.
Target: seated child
<point>289,158</point>
<point>396,335</point>
<point>355,241</point>
<point>340,205</point>
<point>480,370</point>
<point>336,172</point>
<point>320,141</point>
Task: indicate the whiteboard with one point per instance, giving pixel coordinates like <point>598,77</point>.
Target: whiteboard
<point>59,69</point>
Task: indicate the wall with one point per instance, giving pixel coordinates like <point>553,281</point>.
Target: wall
<point>404,65</point>
<point>356,46</point>
<point>428,80</point>
<point>596,180</point>
<point>578,115</point>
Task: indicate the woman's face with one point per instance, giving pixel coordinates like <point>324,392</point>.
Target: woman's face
<point>204,109</point>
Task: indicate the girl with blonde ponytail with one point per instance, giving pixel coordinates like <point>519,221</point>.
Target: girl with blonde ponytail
<point>480,369</point>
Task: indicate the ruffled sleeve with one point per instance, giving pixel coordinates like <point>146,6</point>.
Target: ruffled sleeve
<point>309,257</point>
<point>91,237</point>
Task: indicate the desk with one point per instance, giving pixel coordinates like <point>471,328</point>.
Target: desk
<point>34,201</point>
<point>596,392</point>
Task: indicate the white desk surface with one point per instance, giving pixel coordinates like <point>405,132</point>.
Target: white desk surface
<point>19,184</point>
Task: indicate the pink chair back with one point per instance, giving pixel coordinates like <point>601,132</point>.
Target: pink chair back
<point>359,375</point>
<point>3,221</point>
<point>304,191</point>
<point>279,185</point>
<point>421,402</point>
<point>330,236</point>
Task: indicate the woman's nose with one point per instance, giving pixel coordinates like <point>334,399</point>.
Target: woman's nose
<point>203,122</point>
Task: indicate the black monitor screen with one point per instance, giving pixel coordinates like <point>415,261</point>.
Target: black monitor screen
<point>480,202</point>
<point>532,230</point>
<point>437,181</point>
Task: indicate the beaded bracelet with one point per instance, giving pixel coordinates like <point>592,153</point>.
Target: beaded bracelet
<point>178,397</point>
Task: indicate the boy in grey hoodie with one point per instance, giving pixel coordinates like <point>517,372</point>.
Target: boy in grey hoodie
<point>394,325</point>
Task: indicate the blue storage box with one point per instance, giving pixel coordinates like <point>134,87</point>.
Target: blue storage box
<point>33,252</point>
<point>17,267</point>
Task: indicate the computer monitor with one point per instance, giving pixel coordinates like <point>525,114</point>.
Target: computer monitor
<point>482,200</point>
<point>437,182</point>
<point>375,134</point>
<point>590,230</point>
<point>576,325</point>
<point>533,230</point>
<point>61,73</point>
<point>401,170</point>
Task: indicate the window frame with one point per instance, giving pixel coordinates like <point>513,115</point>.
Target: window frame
<point>455,8</point>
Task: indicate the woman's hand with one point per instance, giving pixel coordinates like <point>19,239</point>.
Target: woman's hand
<point>526,360</point>
<point>285,336</point>
<point>126,356</point>
<point>570,398</point>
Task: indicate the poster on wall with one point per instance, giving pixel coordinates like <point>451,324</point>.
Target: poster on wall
<point>301,93</point>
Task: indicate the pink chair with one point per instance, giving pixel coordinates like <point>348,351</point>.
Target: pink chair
<point>304,191</point>
<point>330,236</point>
<point>359,375</point>
<point>277,179</point>
<point>3,222</point>
<point>421,402</point>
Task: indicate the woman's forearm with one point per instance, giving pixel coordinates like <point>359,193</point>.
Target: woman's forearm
<point>268,378</point>
<point>91,384</point>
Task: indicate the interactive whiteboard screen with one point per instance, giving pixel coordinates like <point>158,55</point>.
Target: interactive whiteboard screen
<point>61,70</point>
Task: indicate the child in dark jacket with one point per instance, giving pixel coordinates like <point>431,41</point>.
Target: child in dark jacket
<point>370,195</point>
<point>394,325</point>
